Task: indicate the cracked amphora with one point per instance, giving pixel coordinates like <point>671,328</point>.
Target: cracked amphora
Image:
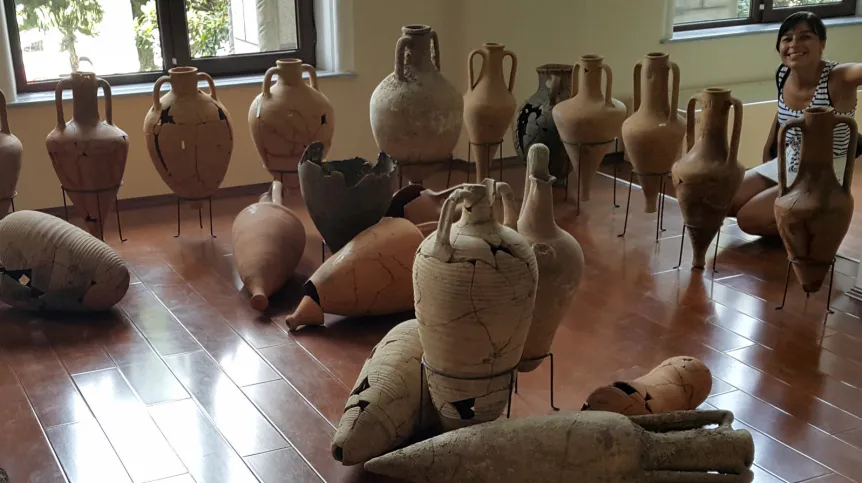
<point>189,135</point>
<point>11,152</point>
<point>474,286</point>
<point>89,154</point>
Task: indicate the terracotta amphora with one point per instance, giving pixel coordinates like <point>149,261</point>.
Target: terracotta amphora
<point>677,384</point>
<point>559,256</point>
<point>47,263</point>
<point>268,242</point>
<point>288,116</point>
<point>11,152</point>
<point>89,154</point>
<point>594,447</point>
<point>814,211</point>
<point>421,206</point>
<point>590,120</point>
<point>189,135</point>
<point>416,113</point>
<point>706,178</point>
<point>368,276</point>
<point>535,121</point>
<point>489,104</point>
<point>653,134</point>
<point>474,283</point>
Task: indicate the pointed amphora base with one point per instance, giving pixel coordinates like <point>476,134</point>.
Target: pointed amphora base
<point>587,158</point>
<point>94,208</point>
<point>483,154</point>
<point>811,274</point>
<point>701,238</point>
<point>308,312</point>
<point>650,185</point>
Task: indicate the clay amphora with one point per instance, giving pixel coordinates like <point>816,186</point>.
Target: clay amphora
<point>268,242</point>
<point>707,176</point>
<point>593,446</point>
<point>416,114</point>
<point>814,212</point>
<point>189,135</point>
<point>559,256</point>
<point>346,196</point>
<point>489,104</point>
<point>421,206</point>
<point>11,152</point>
<point>474,284</point>
<point>653,134</point>
<point>368,276</point>
<point>677,384</point>
<point>535,120</point>
<point>88,154</point>
<point>590,120</point>
<point>47,263</point>
<point>285,118</point>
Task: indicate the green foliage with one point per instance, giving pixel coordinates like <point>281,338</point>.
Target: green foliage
<point>744,6</point>
<point>70,17</point>
<point>147,39</point>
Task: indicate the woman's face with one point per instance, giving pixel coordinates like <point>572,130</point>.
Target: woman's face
<point>801,47</point>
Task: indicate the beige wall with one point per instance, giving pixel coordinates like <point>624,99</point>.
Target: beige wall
<point>547,31</point>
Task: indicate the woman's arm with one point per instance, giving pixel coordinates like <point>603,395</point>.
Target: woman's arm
<point>850,74</point>
<point>770,140</point>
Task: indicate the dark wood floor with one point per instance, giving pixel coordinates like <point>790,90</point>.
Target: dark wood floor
<point>183,382</point>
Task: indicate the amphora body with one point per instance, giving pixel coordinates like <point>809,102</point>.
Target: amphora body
<point>11,152</point>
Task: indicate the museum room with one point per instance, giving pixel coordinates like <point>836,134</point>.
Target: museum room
<point>234,235</point>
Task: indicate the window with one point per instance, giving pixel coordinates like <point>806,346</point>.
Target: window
<point>129,41</point>
<point>699,14</point>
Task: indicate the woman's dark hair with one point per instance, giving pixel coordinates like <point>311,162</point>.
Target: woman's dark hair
<point>811,19</point>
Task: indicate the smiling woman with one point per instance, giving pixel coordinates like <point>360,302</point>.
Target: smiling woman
<point>804,80</point>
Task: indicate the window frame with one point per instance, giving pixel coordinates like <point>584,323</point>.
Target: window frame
<point>173,34</point>
<point>763,11</point>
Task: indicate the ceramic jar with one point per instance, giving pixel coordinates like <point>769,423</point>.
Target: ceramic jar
<point>189,135</point>
<point>474,285</point>
<point>285,118</point>
<point>653,134</point>
<point>50,264</point>
<point>535,121</point>
<point>268,243</point>
<point>590,120</point>
<point>89,154</point>
<point>344,196</point>
<point>489,104</point>
<point>558,255</point>
<point>814,211</point>
<point>11,152</point>
<point>416,113</point>
<point>706,178</point>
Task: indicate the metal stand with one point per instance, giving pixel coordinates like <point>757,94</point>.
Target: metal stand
<point>400,166</point>
<point>659,226</point>
<point>323,246</point>
<point>682,246</point>
<point>549,355</point>
<point>580,173</point>
<point>422,382</point>
<point>487,147</point>
<point>281,173</point>
<point>200,214</point>
<point>98,207</point>
<point>790,262</point>
<point>11,200</point>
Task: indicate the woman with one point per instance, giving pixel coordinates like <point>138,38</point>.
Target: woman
<point>804,79</point>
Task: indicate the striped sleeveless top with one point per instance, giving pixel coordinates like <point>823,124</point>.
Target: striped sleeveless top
<point>841,139</point>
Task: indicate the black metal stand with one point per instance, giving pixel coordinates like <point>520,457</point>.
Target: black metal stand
<point>282,172</point>
<point>400,166</point>
<point>487,147</point>
<point>11,200</point>
<point>200,214</point>
<point>549,355</point>
<point>790,262</point>
<point>580,173</point>
<point>682,246</point>
<point>98,207</point>
<point>422,382</point>
<point>659,226</point>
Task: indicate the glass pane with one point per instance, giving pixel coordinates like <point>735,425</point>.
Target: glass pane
<point>801,3</point>
<point>687,11</point>
<point>101,36</point>
<point>232,27</point>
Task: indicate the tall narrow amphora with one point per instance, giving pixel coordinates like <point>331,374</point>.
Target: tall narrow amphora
<point>707,176</point>
<point>474,286</point>
<point>288,116</point>
<point>590,120</point>
<point>814,211</point>
<point>653,134</point>
<point>89,154</point>
<point>11,152</point>
<point>189,135</point>
<point>489,104</point>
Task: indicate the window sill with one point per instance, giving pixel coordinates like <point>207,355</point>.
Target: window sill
<point>146,88</point>
<point>739,30</point>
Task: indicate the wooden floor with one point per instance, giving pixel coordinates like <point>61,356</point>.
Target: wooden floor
<point>183,382</point>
